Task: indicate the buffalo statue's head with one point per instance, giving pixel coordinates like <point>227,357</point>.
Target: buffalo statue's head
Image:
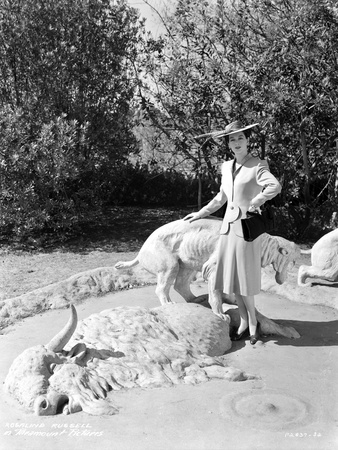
<point>48,380</point>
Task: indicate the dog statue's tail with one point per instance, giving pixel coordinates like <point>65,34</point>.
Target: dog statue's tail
<point>126,264</point>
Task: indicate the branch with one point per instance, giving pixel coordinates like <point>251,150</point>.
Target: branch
<point>160,16</point>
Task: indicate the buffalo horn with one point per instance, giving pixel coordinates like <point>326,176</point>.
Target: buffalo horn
<point>60,340</point>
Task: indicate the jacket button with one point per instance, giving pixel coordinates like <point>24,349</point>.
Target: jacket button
<point>231,207</point>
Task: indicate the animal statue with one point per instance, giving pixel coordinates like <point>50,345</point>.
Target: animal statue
<point>324,260</point>
<point>120,348</point>
<point>178,250</point>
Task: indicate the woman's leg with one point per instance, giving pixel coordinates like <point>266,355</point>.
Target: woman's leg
<point>249,302</point>
<point>243,313</point>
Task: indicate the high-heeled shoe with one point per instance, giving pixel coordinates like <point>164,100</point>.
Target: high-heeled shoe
<point>254,337</point>
<point>243,335</point>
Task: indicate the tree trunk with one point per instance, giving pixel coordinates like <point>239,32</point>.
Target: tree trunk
<point>263,146</point>
<point>334,217</point>
<point>307,197</point>
<point>336,180</point>
<point>199,195</point>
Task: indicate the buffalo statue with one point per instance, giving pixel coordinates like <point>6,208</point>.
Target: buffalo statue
<point>121,348</point>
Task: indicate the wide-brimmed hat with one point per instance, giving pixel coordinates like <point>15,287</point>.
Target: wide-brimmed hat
<point>232,128</point>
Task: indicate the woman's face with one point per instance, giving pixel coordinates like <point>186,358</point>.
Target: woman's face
<point>238,144</point>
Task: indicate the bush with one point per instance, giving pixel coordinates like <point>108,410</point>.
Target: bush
<point>38,176</point>
<point>146,186</point>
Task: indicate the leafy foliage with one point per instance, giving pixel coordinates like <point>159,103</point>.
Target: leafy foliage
<point>65,112</point>
<point>268,61</point>
<point>290,83</point>
<point>147,185</point>
<point>38,176</point>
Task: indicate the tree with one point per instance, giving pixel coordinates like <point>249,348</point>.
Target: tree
<point>289,68</point>
<point>273,61</point>
<point>65,68</point>
<point>178,90</point>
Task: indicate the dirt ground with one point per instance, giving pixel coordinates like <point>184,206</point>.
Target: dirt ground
<point>35,263</point>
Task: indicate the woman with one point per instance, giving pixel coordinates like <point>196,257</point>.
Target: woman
<point>246,184</point>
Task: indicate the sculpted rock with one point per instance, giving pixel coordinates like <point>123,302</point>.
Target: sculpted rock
<point>178,250</point>
<point>118,349</point>
<point>99,281</point>
<point>324,260</point>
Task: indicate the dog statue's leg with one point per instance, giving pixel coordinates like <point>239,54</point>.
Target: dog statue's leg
<point>165,279</point>
<point>182,283</point>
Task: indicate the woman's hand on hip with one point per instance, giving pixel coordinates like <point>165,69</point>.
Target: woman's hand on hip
<point>253,208</point>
